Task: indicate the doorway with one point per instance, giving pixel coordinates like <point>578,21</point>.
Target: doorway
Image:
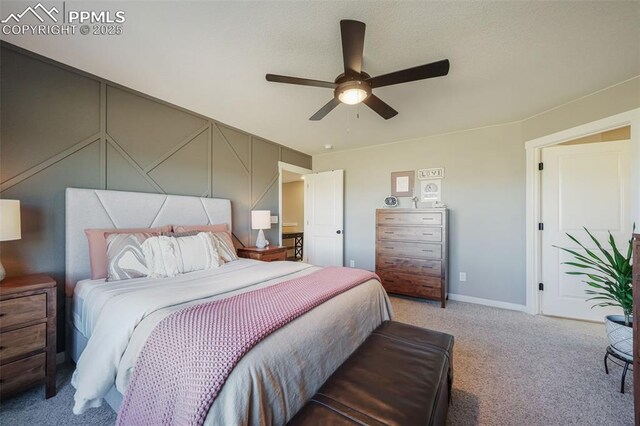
<point>585,183</point>
<point>587,137</point>
<point>292,205</point>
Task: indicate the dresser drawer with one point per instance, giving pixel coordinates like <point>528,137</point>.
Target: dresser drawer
<point>410,266</point>
<point>22,341</point>
<point>409,218</point>
<point>411,285</point>
<point>410,233</point>
<point>22,310</point>
<point>415,250</point>
<point>22,374</point>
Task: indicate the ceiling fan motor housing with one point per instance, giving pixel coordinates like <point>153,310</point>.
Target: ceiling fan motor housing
<point>352,92</point>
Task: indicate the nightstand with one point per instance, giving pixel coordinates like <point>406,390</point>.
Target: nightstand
<point>27,334</point>
<point>267,254</point>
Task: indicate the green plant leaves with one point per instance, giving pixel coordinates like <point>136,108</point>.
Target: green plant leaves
<point>610,274</point>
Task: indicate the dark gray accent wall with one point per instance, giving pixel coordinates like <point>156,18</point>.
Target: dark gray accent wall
<point>61,127</point>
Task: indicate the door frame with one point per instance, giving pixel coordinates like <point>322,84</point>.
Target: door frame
<point>294,169</point>
<point>533,149</point>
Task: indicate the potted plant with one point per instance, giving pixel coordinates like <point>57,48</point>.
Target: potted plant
<point>609,274</point>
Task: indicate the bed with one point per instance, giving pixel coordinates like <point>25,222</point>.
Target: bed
<point>109,322</point>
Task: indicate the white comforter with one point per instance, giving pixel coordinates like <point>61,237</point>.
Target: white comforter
<point>269,384</point>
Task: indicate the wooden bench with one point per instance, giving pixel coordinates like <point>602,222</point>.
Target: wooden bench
<point>400,375</point>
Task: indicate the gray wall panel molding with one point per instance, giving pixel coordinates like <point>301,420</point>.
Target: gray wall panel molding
<point>111,137</point>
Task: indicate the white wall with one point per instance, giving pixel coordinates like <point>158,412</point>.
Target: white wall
<point>484,187</point>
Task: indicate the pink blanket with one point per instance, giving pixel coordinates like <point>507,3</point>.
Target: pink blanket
<point>189,355</point>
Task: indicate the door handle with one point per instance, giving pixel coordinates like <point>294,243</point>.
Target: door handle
<point>338,232</point>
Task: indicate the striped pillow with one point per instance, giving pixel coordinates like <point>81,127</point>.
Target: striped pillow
<point>224,244</point>
<point>125,259</point>
<point>168,256</point>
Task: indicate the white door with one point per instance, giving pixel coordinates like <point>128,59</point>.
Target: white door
<point>323,216</point>
<point>581,185</point>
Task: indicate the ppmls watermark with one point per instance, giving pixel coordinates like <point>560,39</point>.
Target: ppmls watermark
<point>57,19</point>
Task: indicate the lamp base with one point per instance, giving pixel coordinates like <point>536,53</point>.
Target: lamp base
<point>2,272</point>
<point>261,242</point>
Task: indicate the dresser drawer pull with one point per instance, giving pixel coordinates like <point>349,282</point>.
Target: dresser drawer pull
<point>427,218</point>
<point>389,248</point>
<point>2,314</point>
<point>389,218</point>
<point>427,250</point>
<point>1,348</point>
<point>389,232</point>
<point>427,233</point>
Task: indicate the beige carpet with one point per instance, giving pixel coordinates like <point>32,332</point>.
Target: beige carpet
<point>510,369</point>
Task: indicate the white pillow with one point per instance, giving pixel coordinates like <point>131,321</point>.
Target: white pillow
<point>169,256</point>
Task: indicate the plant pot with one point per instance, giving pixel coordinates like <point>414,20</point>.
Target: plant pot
<point>620,336</point>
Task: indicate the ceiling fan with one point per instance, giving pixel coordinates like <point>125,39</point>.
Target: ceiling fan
<point>354,85</point>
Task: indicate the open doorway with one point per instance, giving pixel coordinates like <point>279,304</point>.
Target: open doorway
<point>602,196</point>
<point>292,210</point>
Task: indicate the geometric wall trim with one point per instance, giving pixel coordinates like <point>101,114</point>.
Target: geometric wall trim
<point>88,132</point>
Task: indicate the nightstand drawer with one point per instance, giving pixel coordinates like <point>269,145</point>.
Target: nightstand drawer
<point>22,374</point>
<point>22,310</point>
<point>271,257</point>
<point>22,341</point>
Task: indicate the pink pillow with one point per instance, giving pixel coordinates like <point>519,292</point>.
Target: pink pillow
<point>97,239</point>
<point>221,227</point>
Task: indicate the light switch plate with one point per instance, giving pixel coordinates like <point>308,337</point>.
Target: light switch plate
<point>274,219</point>
<point>463,276</point>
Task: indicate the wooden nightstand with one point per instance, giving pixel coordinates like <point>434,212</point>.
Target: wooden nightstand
<point>27,334</point>
<point>268,254</point>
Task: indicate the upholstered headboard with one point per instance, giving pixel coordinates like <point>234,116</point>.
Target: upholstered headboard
<point>92,208</point>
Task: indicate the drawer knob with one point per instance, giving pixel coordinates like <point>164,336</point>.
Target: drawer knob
<point>2,314</point>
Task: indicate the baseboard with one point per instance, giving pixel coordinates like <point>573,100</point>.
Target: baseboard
<point>488,302</point>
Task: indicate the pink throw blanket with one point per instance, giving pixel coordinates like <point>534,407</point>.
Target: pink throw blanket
<point>189,355</point>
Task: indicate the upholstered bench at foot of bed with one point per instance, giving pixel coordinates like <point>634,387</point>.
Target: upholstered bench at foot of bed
<point>400,375</point>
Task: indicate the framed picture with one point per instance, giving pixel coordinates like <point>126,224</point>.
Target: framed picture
<point>402,183</point>
<point>430,190</point>
<point>436,173</point>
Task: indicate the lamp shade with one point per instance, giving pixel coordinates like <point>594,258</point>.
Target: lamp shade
<point>261,219</point>
<point>10,220</point>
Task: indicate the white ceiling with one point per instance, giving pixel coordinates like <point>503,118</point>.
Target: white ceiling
<point>288,177</point>
<point>509,60</point>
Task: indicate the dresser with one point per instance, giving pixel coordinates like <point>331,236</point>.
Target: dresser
<point>27,334</point>
<point>412,252</point>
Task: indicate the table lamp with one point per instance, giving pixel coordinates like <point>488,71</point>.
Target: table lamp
<point>9,224</point>
<point>261,219</point>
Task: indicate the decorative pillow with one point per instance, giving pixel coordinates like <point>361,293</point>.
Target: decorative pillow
<point>224,246</point>
<point>221,227</point>
<point>125,259</point>
<point>169,256</point>
<point>97,239</point>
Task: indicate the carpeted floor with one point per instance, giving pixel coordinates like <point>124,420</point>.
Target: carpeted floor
<point>510,369</point>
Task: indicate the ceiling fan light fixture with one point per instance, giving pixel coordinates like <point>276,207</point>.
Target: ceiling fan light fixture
<point>353,92</point>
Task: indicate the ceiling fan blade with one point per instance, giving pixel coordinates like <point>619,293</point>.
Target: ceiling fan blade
<point>300,81</point>
<point>434,69</point>
<point>379,106</point>
<point>329,106</point>
<point>352,45</point>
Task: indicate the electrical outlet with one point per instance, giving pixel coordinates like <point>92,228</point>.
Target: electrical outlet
<point>274,219</point>
<point>352,263</point>
<point>463,276</point>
